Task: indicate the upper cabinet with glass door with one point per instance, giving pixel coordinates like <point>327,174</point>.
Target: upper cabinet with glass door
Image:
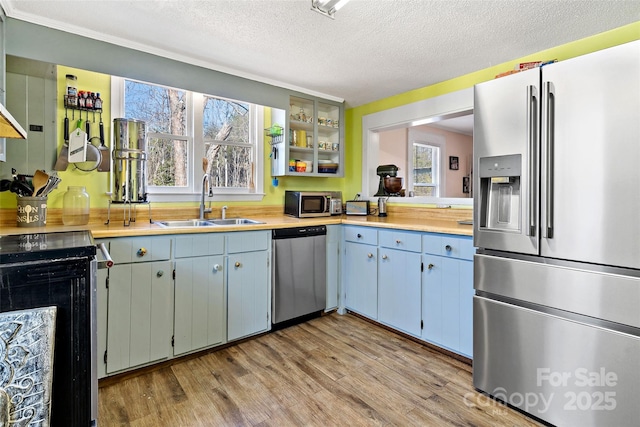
<point>312,145</point>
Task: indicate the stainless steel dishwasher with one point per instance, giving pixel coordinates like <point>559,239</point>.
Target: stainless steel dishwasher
<point>299,283</point>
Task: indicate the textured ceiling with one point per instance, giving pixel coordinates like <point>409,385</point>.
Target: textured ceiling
<point>372,50</point>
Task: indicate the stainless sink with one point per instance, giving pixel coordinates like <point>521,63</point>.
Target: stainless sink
<point>185,223</point>
<point>235,221</point>
<point>206,222</point>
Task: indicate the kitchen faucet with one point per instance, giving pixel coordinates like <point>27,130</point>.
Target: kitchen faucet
<point>205,184</point>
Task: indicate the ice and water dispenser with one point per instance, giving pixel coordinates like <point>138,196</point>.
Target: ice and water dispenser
<point>500,193</point>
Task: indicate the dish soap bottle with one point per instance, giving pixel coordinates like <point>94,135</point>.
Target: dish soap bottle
<point>75,206</point>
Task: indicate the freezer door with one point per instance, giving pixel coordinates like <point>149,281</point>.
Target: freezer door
<point>590,201</point>
<point>505,162</point>
<point>564,372</point>
<point>609,294</point>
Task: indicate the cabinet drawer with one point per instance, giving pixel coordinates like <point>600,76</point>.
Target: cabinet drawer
<point>448,245</point>
<point>403,240</point>
<point>140,249</point>
<point>247,241</point>
<point>191,245</point>
<point>361,235</point>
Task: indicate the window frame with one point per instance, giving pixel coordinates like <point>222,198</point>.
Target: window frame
<point>196,143</point>
<point>429,140</point>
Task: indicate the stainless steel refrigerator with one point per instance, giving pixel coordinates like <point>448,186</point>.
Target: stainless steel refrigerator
<point>557,226</point>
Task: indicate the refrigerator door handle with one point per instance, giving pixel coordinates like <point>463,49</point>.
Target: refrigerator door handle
<point>532,128</point>
<point>549,134</point>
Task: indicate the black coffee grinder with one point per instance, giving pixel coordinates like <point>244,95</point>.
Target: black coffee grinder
<point>384,171</point>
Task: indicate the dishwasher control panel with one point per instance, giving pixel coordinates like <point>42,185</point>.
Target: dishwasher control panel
<point>290,233</point>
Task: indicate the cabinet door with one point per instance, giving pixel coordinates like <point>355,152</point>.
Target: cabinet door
<point>399,290</point>
<point>450,303</point>
<point>447,303</point>
<point>333,265</point>
<point>315,138</point>
<point>361,279</point>
<point>432,299</point>
<point>139,316</point>
<point>466,307</point>
<point>248,294</point>
<point>199,317</point>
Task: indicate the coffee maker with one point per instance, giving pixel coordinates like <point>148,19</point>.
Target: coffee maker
<point>384,171</point>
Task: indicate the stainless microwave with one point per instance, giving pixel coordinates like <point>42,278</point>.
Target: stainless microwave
<point>306,204</point>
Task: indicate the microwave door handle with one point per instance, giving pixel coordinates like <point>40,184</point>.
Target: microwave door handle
<point>532,133</point>
<point>550,135</point>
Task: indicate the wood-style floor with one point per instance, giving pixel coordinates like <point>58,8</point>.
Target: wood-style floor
<point>330,371</point>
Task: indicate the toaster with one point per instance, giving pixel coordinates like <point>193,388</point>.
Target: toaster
<point>357,207</point>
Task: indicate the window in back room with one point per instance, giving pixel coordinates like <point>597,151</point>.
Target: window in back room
<point>425,169</point>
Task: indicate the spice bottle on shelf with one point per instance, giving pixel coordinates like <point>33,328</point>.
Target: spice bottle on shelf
<point>71,95</point>
<point>71,85</point>
<point>81,99</point>
<point>75,206</point>
<point>88,102</point>
<point>97,104</point>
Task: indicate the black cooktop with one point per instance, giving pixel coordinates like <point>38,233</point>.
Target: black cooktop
<point>38,246</point>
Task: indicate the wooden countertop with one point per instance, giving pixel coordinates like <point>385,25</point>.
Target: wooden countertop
<point>441,222</point>
<point>446,226</point>
<point>144,228</point>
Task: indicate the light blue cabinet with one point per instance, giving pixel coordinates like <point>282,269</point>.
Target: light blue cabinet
<point>466,307</point>
<point>334,235</point>
<point>447,279</point>
<point>361,279</point>
<point>136,294</point>
<point>199,296</point>
<point>138,328</point>
<point>361,270</point>
<point>399,290</point>
<point>192,291</point>
<point>248,283</point>
<point>418,283</point>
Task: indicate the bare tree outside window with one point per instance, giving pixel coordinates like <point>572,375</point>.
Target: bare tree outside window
<point>164,112</point>
<point>425,169</point>
<point>175,148</point>
<point>227,138</point>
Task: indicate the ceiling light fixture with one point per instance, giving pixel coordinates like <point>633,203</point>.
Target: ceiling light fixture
<point>327,7</point>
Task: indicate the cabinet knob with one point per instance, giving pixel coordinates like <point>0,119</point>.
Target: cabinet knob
<point>384,257</point>
<point>160,273</point>
<point>237,264</point>
<point>217,267</point>
<point>359,236</point>
<point>369,255</point>
<point>430,266</point>
<point>142,252</point>
<point>448,248</point>
<point>398,241</point>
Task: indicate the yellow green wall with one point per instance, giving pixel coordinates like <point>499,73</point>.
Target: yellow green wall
<point>353,117</point>
<point>97,183</point>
